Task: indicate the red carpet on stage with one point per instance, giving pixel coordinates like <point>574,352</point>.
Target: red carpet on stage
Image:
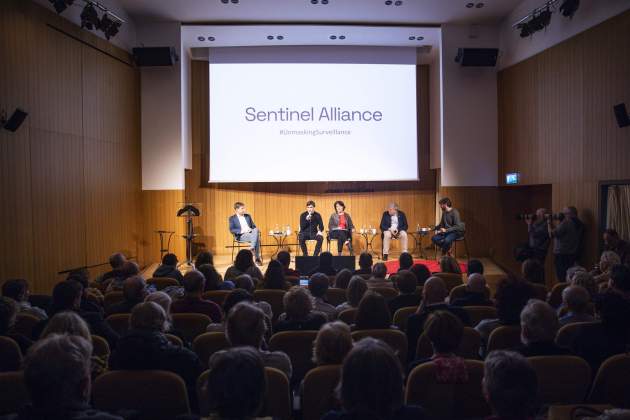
<point>432,265</point>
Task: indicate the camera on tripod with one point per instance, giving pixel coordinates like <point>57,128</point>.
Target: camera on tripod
<point>547,217</point>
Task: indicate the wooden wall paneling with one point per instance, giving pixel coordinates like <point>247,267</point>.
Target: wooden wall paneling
<point>159,210</point>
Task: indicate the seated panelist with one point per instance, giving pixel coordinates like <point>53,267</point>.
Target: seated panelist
<point>244,230</point>
<point>394,226</point>
<point>450,227</point>
<point>311,228</point>
<point>341,227</point>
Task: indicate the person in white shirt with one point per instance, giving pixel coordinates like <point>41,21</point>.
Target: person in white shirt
<point>394,226</point>
<point>244,229</point>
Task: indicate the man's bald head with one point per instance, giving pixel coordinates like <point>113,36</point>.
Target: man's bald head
<point>134,289</point>
<point>434,290</point>
<point>576,298</point>
<point>476,283</point>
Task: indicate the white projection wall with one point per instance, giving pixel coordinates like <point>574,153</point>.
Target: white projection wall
<point>290,122</point>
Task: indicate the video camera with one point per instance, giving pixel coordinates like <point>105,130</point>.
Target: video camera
<point>548,216</point>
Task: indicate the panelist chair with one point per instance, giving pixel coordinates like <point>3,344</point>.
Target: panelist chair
<point>454,248</point>
<point>310,245</point>
<point>330,241</point>
<point>244,244</point>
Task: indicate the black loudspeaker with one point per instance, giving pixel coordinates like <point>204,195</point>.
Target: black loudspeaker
<point>477,57</point>
<point>15,121</point>
<point>154,56</point>
<point>344,261</point>
<point>621,113</point>
<point>306,264</point>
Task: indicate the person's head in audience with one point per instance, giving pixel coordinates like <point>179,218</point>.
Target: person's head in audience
<point>422,273</point>
<point>379,270</point>
<point>244,281</point>
<point>372,313</point>
<point>245,325</point>
<point>539,323</point>
<point>576,299</point>
<point>236,384</point>
<point>572,271</point>
<point>343,278</point>
<point>476,283</point>
<point>533,271</point>
<point>611,238</point>
<point>162,299</point>
<point>204,257</point>
<point>284,258</point>
<point>607,260</point>
<point>332,344</point>
<point>129,269</point>
<point>371,384</point>
<point>148,317</point>
<point>16,289</point>
<point>511,297</point>
<point>57,372</point>
<point>274,276</point>
<point>239,208</point>
<point>434,291</point>
<point>510,385</point>
<point>66,322</point>
<point>620,279</point>
<point>449,264</point>
<point>444,330</point>
<point>66,296</point>
<point>244,260</point>
<point>8,313</point>
<point>318,285</point>
<point>474,266</point>
<point>236,296</point>
<point>355,291</point>
<point>194,283</point>
<point>405,261</point>
<point>298,303</point>
<point>587,281</point>
<point>170,260</point>
<point>614,311</point>
<point>365,261</point>
<point>117,260</point>
<point>212,276</point>
<point>81,275</point>
<point>325,259</point>
<point>406,282</point>
<point>134,289</point>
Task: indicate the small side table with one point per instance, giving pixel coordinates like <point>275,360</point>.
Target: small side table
<point>418,237</point>
<point>368,235</point>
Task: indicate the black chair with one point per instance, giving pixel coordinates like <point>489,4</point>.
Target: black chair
<point>243,244</point>
<point>454,247</point>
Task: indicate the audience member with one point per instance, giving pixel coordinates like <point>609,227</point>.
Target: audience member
<point>318,286</point>
<point>92,298</point>
<point>204,257</point>
<point>539,326</point>
<point>214,281</point>
<point>192,301</point>
<point>274,277</point>
<point>246,326</point>
<point>371,385</point>
<point>146,347</point>
<point>134,292</point>
<point>234,297</point>
<point>165,301</point>
<point>566,233</point>
<point>575,300</point>
<point>365,264</point>
<point>474,267</point>
<point>607,260</point>
<point>236,385</point>
<point>434,295</point>
<point>245,282</point>
<point>612,242</point>
<point>299,314</point>
<point>533,271</point>
<point>449,264</point>
<point>332,344</point>
<point>61,389</point>
<point>422,273</point>
<point>476,293</point>
<point>129,269</point>
<point>572,271</point>
<point>405,261</point>
<point>8,312</point>
<point>620,280</point>
<point>406,284</point>
<point>243,264</point>
<point>116,262</point>
<point>17,289</point>
<point>587,281</point>
<point>285,259</point>
<point>354,293</point>
<point>372,313</point>
<point>325,265</point>
<point>342,279</point>
<point>379,272</point>
<point>168,268</point>
<point>510,386</point>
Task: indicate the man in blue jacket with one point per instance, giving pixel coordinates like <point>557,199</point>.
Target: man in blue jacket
<point>244,230</point>
<point>394,226</point>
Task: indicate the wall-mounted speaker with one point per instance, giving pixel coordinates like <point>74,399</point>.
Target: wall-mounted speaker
<point>477,57</point>
<point>155,56</point>
<point>15,120</point>
<point>621,113</point>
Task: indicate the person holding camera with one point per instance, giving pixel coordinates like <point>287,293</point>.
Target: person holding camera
<point>538,237</point>
<point>566,240</point>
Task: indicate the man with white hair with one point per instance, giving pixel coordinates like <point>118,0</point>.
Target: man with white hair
<point>476,292</point>
<point>394,226</point>
<point>575,299</point>
<point>539,325</point>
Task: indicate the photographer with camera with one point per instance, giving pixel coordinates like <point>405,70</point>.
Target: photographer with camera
<point>566,234</point>
<point>538,237</point>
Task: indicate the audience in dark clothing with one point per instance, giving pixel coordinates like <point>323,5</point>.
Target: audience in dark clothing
<point>274,277</point>
<point>474,267</point>
<point>192,301</point>
<point>168,268</point>
<point>372,313</point>
<point>476,293</point>
<point>539,326</point>
<point>8,312</point>
<point>405,261</point>
<point>422,273</point>
<point>325,265</point>
<point>365,264</point>
<point>285,259</point>
<point>342,279</point>
<point>299,314</point>
<point>134,292</point>
<point>406,283</point>
<point>214,281</point>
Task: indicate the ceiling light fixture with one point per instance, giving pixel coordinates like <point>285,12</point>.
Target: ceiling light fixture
<point>537,20</point>
<point>569,7</point>
<point>470,5</point>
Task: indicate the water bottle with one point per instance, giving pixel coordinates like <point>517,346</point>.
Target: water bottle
<point>288,230</point>
<point>418,227</point>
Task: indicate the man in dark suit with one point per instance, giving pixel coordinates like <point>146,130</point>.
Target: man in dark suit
<point>394,226</point>
<point>311,228</point>
<point>244,230</point>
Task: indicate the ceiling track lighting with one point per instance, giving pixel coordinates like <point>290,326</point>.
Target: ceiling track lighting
<point>109,23</point>
<point>539,18</point>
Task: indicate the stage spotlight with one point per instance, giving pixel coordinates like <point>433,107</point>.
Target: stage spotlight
<point>61,5</point>
<point>525,28</point>
<point>108,26</point>
<point>569,7</point>
<point>89,17</point>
